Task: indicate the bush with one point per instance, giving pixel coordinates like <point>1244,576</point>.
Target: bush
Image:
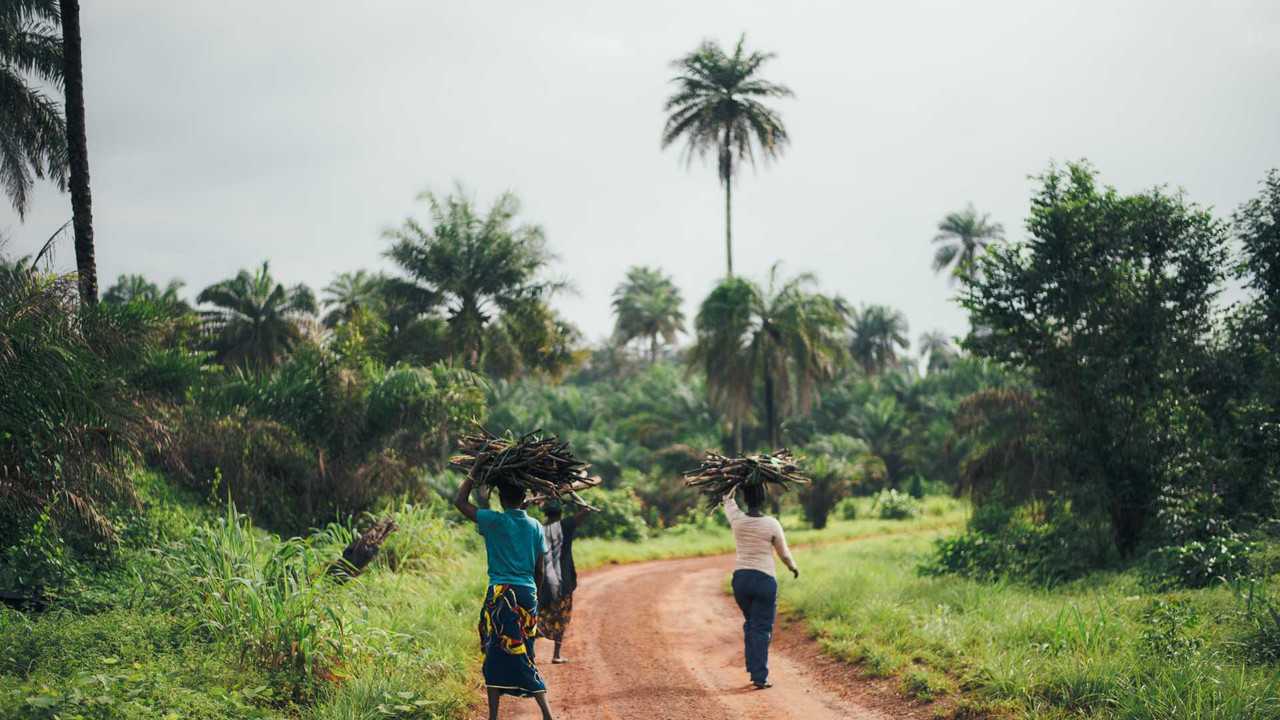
<point>1044,553</point>
<point>847,509</point>
<point>621,515</point>
<point>894,505</point>
<point>1199,563</point>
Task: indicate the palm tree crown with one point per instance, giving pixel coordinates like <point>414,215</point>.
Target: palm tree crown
<point>783,334</point>
<point>962,236</point>
<point>937,351</point>
<point>647,305</point>
<point>878,332</point>
<point>255,320</point>
<point>33,132</point>
<point>472,265</point>
<point>717,106</point>
<point>351,292</point>
<point>132,288</point>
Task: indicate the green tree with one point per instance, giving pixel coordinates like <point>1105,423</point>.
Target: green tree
<point>963,236</point>
<point>833,463</point>
<point>33,133</point>
<point>255,320</point>
<point>784,335</point>
<point>647,305</point>
<point>1107,307</point>
<point>877,333</point>
<point>132,288</point>
<point>883,425</point>
<point>718,106</point>
<point>351,292</point>
<point>473,266</point>
<point>937,351</point>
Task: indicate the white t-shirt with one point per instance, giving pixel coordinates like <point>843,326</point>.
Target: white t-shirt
<point>757,538</point>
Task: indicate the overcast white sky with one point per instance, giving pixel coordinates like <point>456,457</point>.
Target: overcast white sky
<point>225,133</point>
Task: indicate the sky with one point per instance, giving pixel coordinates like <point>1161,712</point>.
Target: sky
<point>222,134</point>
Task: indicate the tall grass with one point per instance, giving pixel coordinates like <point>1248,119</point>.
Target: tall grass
<point>1098,648</point>
<point>267,596</point>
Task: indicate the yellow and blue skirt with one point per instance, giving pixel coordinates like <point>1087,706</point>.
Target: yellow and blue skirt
<point>508,624</point>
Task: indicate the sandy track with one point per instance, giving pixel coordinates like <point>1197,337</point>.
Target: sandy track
<point>663,640</point>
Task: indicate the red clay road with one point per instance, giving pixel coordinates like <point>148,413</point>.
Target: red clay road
<point>663,640</point>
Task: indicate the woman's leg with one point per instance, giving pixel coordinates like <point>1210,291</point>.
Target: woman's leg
<point>742,595</point>
<point>494,697</point>
<point>764,604</point>
<point>543,706</point>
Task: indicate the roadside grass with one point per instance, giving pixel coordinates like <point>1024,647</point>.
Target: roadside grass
<point>1102,647</point>
<point>709,534</point>
<point>212,618</point>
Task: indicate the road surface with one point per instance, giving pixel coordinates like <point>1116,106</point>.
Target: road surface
<point>663,640</point>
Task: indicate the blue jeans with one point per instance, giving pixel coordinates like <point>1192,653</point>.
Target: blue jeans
<point>757,596</point>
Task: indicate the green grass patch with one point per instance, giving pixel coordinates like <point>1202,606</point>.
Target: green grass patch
<point>1102,647</point>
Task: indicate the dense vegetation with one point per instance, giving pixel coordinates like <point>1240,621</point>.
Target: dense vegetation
<point>177,476</point>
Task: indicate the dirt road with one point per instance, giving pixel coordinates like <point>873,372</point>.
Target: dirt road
<point>663,640</point>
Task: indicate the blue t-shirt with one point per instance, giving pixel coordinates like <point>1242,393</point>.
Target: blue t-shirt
<point>513,541</point>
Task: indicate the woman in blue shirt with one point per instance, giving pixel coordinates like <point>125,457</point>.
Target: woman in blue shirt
<point>515,548</point>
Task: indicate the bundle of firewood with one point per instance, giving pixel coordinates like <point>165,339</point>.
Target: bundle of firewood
<point>362,550</point>
<point>541,464</point>
<point>719,475</point>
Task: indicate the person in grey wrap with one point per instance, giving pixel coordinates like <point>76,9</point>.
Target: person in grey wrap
<point>559,577</point>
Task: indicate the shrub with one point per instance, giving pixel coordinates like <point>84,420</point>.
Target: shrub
<point>894,505</point>
<point>621,515</point>
<point>847,509</point>
<point>1000,545</point>
<point>1199,563</point>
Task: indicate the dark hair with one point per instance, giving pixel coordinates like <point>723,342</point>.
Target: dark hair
<point>553,510</point>
<point>512,496</point>
<point>754,495</point>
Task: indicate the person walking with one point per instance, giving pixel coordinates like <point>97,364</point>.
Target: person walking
<point>755,586</point>
<point>516,553</point>
<point>559,576</point>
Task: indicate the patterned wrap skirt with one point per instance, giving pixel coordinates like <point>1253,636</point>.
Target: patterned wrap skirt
<point>553,619</point>
<point>508,624</point>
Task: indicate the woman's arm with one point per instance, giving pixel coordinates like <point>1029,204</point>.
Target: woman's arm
<point>462,498</point>
<point>731,509</point>
<point>784,552</point>
<point>539,570</point>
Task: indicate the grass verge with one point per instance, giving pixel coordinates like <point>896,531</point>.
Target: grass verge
<point>1099,648</point>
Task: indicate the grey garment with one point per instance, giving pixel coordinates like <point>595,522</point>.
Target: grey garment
<point>552,575</point>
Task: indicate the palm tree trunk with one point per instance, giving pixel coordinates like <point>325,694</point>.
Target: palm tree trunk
<point>728,223</point>
<point>770,410</point>
<point>78,150</point>
<point>653,349</point>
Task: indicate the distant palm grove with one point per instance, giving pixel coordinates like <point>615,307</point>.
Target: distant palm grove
<point>1112,410</point>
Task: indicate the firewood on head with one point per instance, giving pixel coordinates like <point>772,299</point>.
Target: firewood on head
<point>541,465</point>
<point>719,475</point>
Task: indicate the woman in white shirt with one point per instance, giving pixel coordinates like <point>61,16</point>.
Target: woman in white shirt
<point>755,585</point>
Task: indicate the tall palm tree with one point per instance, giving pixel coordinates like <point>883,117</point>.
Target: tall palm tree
<point>78,152</point>
<point>647,305</point>
<point>962,236</point>
<point>256,320</point>
<point>33,133</point>
<point>473,266</point>
<point>878,333</point>
<point>784,334</point>
<point>937,351</point>
<point>351,292</point>
<point>717,106</point>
